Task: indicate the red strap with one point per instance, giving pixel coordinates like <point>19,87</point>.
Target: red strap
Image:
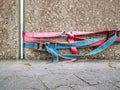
<point>29,39</point>
<point>71,40</point>
<point>58,34</point>
<point>40,37</point>
<point>80,33</point>
<point>73,49</point>
<point>42,34</point>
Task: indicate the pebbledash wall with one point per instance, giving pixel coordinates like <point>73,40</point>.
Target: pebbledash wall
<point>9,32</point>
<point>57,15</point>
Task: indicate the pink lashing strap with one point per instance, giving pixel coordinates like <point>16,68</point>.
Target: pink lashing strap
<point>44,37</point>
<point>73,49</point>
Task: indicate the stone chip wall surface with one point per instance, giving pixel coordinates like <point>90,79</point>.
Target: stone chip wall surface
<point>57,15</point>
<point>9,32</point>
<point>66,15</point>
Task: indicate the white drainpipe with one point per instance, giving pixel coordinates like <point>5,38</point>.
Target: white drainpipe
<point>21,28</point>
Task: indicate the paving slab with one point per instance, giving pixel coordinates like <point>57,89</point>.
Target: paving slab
<point>44,75</point>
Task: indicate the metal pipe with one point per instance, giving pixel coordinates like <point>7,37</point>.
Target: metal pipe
<point>21,28</point>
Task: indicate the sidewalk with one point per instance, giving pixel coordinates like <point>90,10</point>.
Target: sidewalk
<point>43,75</point>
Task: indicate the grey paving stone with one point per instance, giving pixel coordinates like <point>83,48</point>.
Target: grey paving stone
<point>63,88</point>
<point>115,83</point>
<point>34,75</point>
<point>99,76</point>
<point>21,83</point>
<point>104,86</point>
<point>55,80</point>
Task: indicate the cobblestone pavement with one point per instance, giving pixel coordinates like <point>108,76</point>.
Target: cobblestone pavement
<point>43,75</point>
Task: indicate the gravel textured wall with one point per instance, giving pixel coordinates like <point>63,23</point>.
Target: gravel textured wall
<point>65,15</point>
<point>9,29</point>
